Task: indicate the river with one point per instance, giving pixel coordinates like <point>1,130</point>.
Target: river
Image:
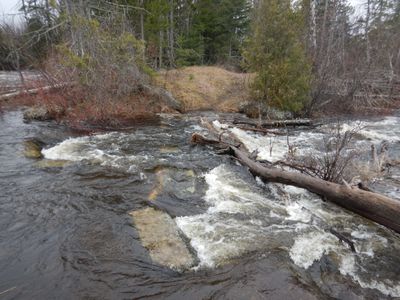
<point>68,228</point>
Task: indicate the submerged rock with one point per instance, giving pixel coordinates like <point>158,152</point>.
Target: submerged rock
<point>38,113</point>
<point>33,148</point>
<point>169,149</point>
<point>48,163</point>
<point>174,181</point>
<point>159,234</point>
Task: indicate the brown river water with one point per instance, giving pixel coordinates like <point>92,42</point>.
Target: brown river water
<point>67,231</point>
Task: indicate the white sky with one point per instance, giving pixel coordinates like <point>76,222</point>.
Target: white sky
<point>9,6</point>
<point>8,9</point>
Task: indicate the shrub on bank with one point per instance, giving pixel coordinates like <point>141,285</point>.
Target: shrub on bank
<point>104,73</point>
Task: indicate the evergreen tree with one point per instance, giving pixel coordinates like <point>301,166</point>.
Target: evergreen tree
<point>156,24</point>
<point>214,32</point>
<point>276,52</point>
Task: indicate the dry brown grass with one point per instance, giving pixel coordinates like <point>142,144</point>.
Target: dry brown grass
<point>206,88</point>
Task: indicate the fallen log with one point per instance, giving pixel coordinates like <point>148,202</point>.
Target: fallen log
<point>260,130</point>
<point>274,123</point>
<point>376,207</point>
<point>32,91</point>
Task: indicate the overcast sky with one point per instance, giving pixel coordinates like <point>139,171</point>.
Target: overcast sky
<point>8,7</point>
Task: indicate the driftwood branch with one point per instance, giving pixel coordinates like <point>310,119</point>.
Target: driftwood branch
<point>343,239</point>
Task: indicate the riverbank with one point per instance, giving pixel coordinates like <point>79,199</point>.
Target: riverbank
<point>176,91</point>
<point>67,105</point>
<point>190,89</point>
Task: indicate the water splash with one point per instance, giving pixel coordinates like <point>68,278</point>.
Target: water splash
<point>242,218</point>
<point>96,149</point>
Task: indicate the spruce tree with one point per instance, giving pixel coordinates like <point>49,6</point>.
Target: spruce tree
<point>217,29</point>
<point>276,52</point>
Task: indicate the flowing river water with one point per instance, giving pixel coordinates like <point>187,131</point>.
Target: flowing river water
<point>68,228</point>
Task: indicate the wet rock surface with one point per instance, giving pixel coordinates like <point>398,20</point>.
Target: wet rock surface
<point>47,163</point>
<point>160,236</point>
<point>33,148</point>
<point>38,113</point>
<point>164,96</point>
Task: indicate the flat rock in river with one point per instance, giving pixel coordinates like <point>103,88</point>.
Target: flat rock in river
<point>49,163</point>
<point>160,236</point>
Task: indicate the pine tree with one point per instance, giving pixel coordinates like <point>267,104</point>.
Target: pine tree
<point>276,52</point>
<point>217,29</point>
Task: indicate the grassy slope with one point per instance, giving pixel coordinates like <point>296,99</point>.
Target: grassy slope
<point>206,88</point>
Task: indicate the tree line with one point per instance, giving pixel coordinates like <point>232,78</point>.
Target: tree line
<point>306,54</point>
<point>315,54</point>
<point>176,32</point>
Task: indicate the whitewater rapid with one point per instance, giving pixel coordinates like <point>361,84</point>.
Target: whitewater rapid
<point>242,219</point>
<point>244,216</point>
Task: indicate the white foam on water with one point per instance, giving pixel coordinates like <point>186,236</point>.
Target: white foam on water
<point>219,234</point>
<point>241,219</point>
<point>310,247</point>
<point>230,196</point>
<point>275,147</point>
<point>219,126</point>
<point>377,131</point>
<point>90,148</point>
<point>369,241</point>
<point>385,286</point>
<point>294,190</point>
<point>298,213</point>
<point>271,148</point>
<point>70,149</point>
<point>214,241</point>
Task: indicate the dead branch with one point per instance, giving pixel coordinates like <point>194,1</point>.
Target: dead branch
<point>344,239</point>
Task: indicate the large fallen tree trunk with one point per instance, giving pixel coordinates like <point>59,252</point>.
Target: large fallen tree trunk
<point>274,123</point>
<point>261,130</point>
<point>32,91</point>
<point>376,207</point>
